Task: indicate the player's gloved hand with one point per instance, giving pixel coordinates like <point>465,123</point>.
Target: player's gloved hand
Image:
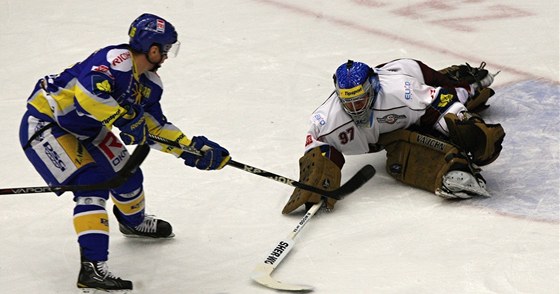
<point>132,125</point>
<point>214,156</point>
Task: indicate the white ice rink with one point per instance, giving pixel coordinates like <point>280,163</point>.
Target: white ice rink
<point>248,75</point>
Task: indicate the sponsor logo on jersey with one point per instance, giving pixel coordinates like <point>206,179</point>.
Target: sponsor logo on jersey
<point>114,150</point>
<point>444,99</point>
<point>319,119</point>
<point>121,58</point>
<point>54,157</point>
<point>308,140</point>
<point>112,117</point>
<point>407,90</point>
<point>103,86</point>
<point>102,69</point>
<point>391,118</point>
<point>140,92</point>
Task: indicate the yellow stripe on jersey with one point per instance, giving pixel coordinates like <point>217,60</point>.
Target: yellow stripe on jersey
<point>130,207</point>
<point>167,131</point>
<point>75,150</point>
<point>91,222</point>
<point>39,102</point>
<point>103,110</point>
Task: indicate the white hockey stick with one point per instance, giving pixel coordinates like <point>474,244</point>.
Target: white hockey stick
<point>261,273</point>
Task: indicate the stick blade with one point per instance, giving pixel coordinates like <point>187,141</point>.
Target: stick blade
<point>261,275</point>
<point>359,179</point>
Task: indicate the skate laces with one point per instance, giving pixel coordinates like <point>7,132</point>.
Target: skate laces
<point>103,269</point>
<point>148,225</point>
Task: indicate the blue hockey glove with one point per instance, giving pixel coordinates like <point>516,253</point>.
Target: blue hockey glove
<point>132,126</point>
<point>215,157</point>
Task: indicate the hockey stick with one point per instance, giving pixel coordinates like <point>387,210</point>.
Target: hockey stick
<point>262,272</point>
<point>360,178</point>
<point>136,158</point>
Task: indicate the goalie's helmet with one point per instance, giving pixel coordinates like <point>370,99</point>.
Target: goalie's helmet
<point>148,30</point>
<point>353,82</point>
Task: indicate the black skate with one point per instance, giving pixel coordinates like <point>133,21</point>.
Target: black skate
<point>151,227</point>
<point>94,275</point>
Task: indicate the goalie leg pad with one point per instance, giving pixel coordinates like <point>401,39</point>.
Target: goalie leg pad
<point>318,171</point>
<point>422,161</point>
<point>483,141</point>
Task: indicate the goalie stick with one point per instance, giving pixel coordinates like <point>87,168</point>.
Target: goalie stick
<point>360,178</point>
<point>262,272</point>
<point>136,158</point>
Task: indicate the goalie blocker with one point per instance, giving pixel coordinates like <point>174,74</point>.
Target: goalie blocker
<point>319,167</point>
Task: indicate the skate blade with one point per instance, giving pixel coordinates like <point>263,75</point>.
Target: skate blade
<point>132,236</point>
<point>100,291</point>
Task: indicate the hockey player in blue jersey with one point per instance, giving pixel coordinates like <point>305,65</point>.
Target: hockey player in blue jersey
<point>66,134</point>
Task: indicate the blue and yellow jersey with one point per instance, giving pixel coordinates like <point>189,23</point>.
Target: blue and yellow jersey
<point>93,93</point>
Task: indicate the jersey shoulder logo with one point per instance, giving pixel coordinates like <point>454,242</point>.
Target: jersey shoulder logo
<point>103,86</point>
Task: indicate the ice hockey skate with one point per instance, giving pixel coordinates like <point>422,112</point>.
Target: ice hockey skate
<point>150,227</point>
<point>94,277</point>
<point>462,185</point>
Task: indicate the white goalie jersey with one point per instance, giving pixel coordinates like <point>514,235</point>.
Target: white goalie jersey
<point>401,101</point>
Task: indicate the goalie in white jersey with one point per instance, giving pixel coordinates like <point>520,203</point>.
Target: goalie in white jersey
<point>426,121</point>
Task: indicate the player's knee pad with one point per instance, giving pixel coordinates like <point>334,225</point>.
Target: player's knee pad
<point>91,223</point>
<point>483,142</point>
<point>90,216</point>
<point>419,160</point>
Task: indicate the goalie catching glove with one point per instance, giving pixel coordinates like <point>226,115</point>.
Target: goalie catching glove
<point>318,170</point>
<point>479,80</point>
<point>214,156</point>
<point>482,141</point>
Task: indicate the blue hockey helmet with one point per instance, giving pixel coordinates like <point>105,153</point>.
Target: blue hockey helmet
<point>148,30</point>
<point>353,82</point>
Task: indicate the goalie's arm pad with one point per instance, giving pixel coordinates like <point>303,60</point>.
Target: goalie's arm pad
<point>319,167</point>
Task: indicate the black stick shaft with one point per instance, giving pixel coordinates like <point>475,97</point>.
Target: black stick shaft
<point>354,183</point>
<point>136,158</point>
